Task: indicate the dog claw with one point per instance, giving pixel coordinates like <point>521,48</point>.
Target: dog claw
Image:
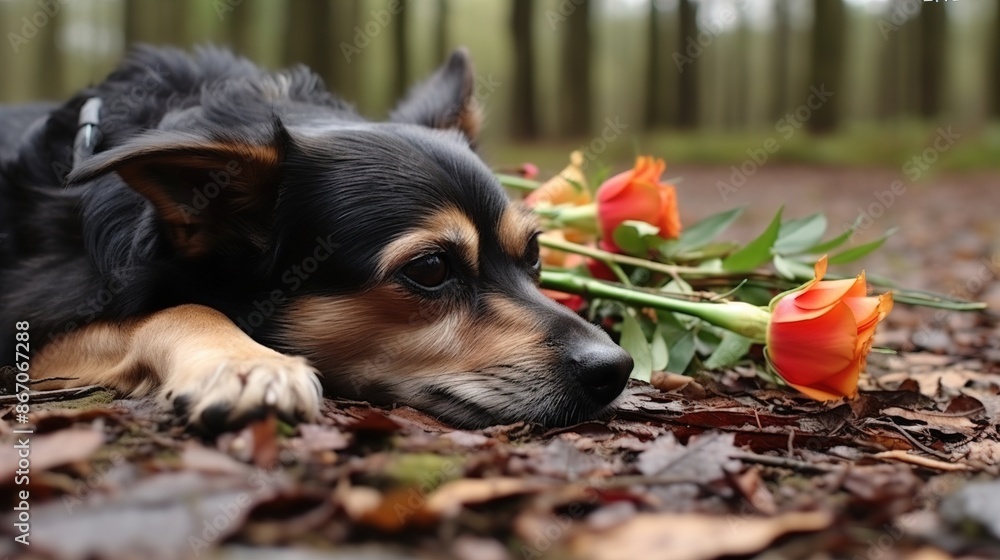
<point>271,396</point>
<point>223,396</point>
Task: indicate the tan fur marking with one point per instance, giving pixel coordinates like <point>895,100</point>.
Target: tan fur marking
<point>404,338</point>
<point>186,350</point>
<point>449,225</point>
<point>517,225</point>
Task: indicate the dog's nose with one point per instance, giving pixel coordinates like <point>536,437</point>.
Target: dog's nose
<point>602,371</point>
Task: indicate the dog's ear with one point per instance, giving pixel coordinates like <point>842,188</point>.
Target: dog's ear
<point>208,190</point>
<point>444,100</point>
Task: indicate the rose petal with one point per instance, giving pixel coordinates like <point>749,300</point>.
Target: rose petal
<point>826,293</point>
<point>805,352</point>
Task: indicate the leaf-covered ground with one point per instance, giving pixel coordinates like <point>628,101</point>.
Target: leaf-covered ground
<point>719,465</point>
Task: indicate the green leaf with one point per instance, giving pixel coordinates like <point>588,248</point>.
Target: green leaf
<point>795,236</point>
<point>680,349</point>
<point>856,253</point>
<point>634,342</point>
<point>792,269</point>
<point>730,350</point>
<point>758,251</point>
<point>824,247</point>
<point>703,232</point>
<point>631,237</point>
<point>658,350</point>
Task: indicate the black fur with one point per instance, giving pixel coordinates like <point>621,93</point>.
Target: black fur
<point>301,172</point>
<point>76,253</point>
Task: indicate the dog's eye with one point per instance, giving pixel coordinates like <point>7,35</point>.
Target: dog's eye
<point>532,255</point>
<point>428,271</point>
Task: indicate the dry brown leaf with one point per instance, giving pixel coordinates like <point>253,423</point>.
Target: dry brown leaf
<point>322,438</point>
<point>163,517</point>
<point>666,381</point>
<point>448,500</point>
<point>197,457</point>
<point>704,459</point>
<point>562,459</point>
<point>943,422</point>
<point>48,451</point>
<point>691,537</point>
<point>357,500</point>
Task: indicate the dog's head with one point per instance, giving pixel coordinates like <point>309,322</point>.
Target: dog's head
<point>386,253</point>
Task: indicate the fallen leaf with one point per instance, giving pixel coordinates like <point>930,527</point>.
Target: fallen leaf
<point>562,459</point>
<point>691,536</point>
<point>322,438</point>
<point>163,517</point>
<point>48,451</point>
<point>704,459</point>
<point>197,457</point>
<point>448,500</point>
<point>948,423</point>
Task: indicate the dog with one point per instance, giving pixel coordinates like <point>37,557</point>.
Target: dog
<point>235,242</point>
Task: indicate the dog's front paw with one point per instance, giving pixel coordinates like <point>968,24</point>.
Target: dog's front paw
<point>217,393</point>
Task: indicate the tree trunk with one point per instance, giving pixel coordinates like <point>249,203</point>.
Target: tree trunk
<point>888,79</point>
<point>240,28</point>
<point>932,57</point>
<point>687,79</point>
<point>996,65</point>
<point>827,63</point>
<point>575,72</point>
<point>49,70</point>
<point>653,68</point>
<point>156,22</point>
<point>402,48</point>
<point>780,60</point>
<point>308,25</point>
<point>524,124</point>
<point>443,42</point>
<point>340,38</point>
<point>739,97</point>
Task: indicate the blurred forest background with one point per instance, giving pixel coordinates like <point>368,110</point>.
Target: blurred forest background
<point>693,80</point>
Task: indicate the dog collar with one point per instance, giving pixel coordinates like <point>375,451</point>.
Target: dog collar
<point>87,131</point>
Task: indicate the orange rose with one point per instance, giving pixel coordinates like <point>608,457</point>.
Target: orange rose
<point>638,195</point>
<point>820,335</point>
<point>568,187</point>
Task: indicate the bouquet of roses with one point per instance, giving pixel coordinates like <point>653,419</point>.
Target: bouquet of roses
<point>681,300</point>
